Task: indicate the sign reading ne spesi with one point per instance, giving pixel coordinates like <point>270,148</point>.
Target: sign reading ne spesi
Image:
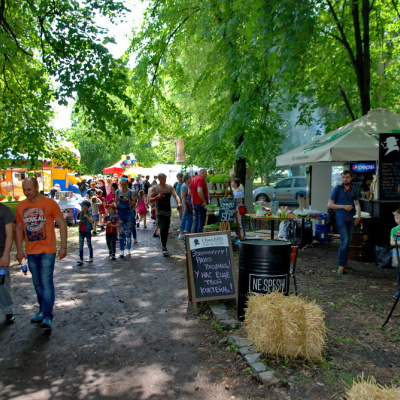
<point>389,166</point>
<point>211,269</point>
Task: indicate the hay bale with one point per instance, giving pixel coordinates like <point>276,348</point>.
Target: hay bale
<point>368,389</point>
<point>285,326</point>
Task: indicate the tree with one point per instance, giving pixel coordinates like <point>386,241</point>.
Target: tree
<point>204,63</point>
<point>54,50</point>
<point>349,66</point>
<point>227,72</point>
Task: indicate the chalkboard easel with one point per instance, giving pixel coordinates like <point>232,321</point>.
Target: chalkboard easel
<point>211,267</point>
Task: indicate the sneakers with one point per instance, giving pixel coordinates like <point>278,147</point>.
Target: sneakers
<point>46,324</point>
<point>94,232</point>
<point>181,236</point>
<point>127,252</point>
<point>10,319</point>
<point>112,257</point>
<point>89,259</point>
<point>165,251</point>
<point>156,235</point>
<point>38,317</point>
<point>122,254</point>
<point>397,295</point>
<point>137,225</point>
<point>79,262</point>
<point>340,270</point>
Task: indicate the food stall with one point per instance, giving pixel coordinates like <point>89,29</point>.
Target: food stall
<point>375,137</point>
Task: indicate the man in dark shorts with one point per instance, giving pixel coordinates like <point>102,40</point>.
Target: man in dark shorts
<point>161,195</point>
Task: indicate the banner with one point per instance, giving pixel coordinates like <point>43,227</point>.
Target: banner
<point>179,145</point>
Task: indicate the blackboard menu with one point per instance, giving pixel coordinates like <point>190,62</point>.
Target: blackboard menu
<point>389,166</point>
<point>211,269</point>
<point>227,210</point>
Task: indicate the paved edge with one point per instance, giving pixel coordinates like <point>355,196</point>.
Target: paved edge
<point>251,356</point>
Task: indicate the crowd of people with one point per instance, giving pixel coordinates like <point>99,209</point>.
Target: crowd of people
<point>116,205</point>
<point>119,205</point>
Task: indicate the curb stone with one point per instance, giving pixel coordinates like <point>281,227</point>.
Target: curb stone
<point>251,356</point>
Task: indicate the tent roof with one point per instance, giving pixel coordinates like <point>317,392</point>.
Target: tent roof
<point>356,141</point>
<point>114,169</point>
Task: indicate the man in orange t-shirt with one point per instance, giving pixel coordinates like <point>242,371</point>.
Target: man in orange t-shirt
<point>35,218</point>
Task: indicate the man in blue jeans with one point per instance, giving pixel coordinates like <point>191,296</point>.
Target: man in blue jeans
<point>199,191</point>
<point>35,218</point>
<point>344,200</point>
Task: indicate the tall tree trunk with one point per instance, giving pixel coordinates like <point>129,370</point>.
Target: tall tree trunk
<point>240,165</point>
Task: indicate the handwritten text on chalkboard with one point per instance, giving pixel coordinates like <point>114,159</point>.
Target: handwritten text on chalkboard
<point>211,264</point>
<point>227,210</point>
<point>389,166</point>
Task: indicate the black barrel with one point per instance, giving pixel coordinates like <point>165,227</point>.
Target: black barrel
<point>264,267</point>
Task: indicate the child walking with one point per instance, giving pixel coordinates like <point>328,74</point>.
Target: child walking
<point>142,209</point>
<point>395,261</point>
<point>85,221</point>
<point>95,211</point>
<point>102,208</point>
<point>112,225</point>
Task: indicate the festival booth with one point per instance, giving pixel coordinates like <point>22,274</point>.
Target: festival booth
<point>369,144</point>
<point>126,162</point>
<point>48,174</point>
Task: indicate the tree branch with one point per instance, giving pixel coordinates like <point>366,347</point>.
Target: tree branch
<point>346,102</point>
<point>7,28</point>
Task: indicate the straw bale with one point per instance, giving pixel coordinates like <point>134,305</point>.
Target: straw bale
<point>285,326</point>
<point>368,389</point>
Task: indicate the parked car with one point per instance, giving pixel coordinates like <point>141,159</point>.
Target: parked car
<point>287,190</point>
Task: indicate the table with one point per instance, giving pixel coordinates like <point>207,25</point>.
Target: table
<point>75,207</point>
<point>253,217</point>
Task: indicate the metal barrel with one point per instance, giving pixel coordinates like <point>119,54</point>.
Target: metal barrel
<point>264,266</point>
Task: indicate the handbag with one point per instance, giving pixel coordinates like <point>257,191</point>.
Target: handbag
<point>242,210</point>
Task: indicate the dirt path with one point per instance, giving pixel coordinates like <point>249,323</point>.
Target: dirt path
<point>122,330</point>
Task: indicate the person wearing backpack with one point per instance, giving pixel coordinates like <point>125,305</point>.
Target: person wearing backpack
<point>344,201</point>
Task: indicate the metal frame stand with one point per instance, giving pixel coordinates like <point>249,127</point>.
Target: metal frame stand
<point>398,266</point>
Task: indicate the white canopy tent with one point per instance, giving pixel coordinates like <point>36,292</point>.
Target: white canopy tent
<point>356,141</point>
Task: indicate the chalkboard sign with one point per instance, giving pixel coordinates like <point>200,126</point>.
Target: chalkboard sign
<point>212,275</point>
<point>227,210</point>
<point>389,166</point>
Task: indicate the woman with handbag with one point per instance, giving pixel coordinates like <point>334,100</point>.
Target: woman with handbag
<point>240,208</point>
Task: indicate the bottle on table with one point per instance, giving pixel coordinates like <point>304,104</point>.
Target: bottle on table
<point>274,204</point>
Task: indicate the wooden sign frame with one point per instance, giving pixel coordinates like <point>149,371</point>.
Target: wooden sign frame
<point>216,247</point>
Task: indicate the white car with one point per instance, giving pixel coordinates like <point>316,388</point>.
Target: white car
<point>287,190</point>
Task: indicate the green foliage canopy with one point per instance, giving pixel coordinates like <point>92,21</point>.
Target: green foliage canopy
<point>54,50</point>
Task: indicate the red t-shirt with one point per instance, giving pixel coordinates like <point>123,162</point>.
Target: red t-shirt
<point>198,181</point>
<point>114,219</point>
<point>102,209</point>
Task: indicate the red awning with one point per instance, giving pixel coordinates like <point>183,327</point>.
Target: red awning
<point>114,169</point>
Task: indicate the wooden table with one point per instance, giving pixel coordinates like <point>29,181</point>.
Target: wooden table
<point>273,219</point>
